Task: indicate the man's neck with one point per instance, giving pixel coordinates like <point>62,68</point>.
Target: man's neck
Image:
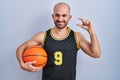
<point>60,33</point>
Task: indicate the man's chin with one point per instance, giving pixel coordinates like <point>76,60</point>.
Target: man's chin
<point>60,27</point>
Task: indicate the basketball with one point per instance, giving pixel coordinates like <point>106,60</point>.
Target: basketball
<point>35,53</point>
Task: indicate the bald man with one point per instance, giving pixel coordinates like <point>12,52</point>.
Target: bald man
<point>61,44</point>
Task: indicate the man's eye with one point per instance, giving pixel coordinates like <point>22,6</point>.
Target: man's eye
<point>57,15</point>
<point>64,15</point>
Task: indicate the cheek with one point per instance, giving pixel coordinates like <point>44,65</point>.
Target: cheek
<point>67,19</point>
<point>55,18</point>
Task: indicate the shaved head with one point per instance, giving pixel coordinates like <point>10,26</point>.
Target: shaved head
<point>62,4</point>
<point>61,15</point>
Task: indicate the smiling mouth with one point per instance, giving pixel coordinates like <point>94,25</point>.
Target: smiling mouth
<point>60,22</point>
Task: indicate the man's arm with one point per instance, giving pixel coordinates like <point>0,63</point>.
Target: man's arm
<point>36,40</point>
<point>91,48</point>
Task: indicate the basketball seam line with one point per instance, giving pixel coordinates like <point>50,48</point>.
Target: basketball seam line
<point>38,64</point>
<point>34,55</point>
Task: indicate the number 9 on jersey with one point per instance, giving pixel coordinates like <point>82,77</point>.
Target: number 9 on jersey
<point>58,58</point>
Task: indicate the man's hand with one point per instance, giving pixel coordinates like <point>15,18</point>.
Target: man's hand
<point>86,24</point>
<point>91,48</point>
<point>29,67</point>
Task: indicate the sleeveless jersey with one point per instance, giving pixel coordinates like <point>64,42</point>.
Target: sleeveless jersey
<point>62,55</point>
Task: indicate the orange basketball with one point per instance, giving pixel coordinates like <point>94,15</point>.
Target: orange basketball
<point>35,53</point>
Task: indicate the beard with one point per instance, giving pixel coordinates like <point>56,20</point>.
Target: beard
<point>60,24</point>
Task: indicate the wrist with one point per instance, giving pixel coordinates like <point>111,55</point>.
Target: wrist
<point>21,63</point>
<point>91,31</point>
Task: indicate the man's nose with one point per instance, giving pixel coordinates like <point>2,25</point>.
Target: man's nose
<point>60,18</point>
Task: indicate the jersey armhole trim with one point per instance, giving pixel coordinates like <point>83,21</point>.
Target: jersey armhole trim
<point>45,33</point>
<point>76,40</point>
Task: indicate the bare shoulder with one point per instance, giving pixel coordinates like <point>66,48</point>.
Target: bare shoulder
<point>39,34</point>
<point>39,37</point>
<point>79,36</point>
<point>83,43</point>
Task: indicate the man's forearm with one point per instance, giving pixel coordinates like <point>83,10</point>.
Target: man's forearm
<point>95,46</point>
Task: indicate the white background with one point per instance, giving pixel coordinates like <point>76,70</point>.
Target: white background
<point>21,19</point>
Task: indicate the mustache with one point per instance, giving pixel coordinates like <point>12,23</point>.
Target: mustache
<point>60,21</point>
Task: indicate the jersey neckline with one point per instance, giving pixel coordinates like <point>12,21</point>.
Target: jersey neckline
<point>59,39</point>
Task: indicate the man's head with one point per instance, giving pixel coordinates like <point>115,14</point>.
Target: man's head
<point>61,15</point>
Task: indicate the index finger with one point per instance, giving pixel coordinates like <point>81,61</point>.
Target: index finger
<point>82,20</point>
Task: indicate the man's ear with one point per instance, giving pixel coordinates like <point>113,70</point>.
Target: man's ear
<point>70,17</point>
<point>52,16</point>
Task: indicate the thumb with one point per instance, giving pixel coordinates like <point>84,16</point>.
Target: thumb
<point>33,62</point>
<point>80,25</point>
